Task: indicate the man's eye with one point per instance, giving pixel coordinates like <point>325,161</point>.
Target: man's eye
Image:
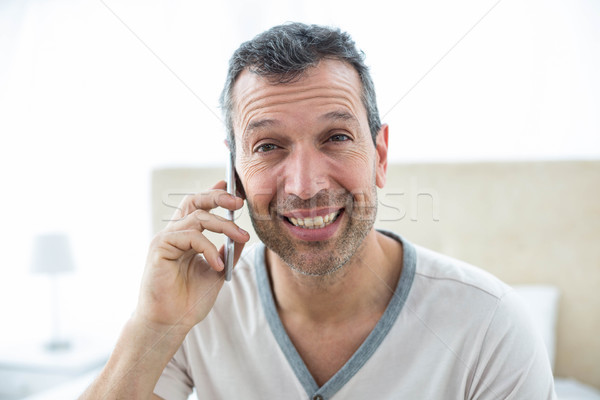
<point>263,148</point>
<point>339,138</point>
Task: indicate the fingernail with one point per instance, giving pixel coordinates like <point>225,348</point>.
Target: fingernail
<point>243,232</point>
<point>220,262</point>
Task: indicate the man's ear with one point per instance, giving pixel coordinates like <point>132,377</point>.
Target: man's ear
<point>381,148</point>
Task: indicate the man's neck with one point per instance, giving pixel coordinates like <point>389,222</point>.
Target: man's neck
<point>363,286</point>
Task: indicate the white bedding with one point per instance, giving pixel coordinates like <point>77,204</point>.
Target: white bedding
<point>570,389</point>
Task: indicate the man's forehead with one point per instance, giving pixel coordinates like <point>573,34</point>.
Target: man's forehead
<point>328,73</point>
<point>330,80</point>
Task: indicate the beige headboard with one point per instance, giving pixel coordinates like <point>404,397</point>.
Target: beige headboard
<point>526,222</point>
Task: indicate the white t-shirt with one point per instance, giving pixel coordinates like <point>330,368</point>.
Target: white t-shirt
<point>451,331</point>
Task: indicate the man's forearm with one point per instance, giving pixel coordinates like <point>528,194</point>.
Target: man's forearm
<point>141,354</point>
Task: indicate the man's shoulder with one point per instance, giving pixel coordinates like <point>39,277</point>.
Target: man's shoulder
<point>463,304</point>
<point>434,267</point>
<point>447,292</point>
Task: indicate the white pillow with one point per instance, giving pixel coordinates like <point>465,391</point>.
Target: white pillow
<point>542,301</point>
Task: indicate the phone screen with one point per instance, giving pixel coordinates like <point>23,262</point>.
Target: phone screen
<point>229,244</point>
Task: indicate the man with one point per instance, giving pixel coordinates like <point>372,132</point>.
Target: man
<point>326,306</point>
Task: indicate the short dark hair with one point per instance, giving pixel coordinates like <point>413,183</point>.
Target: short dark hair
<point>284,52</point>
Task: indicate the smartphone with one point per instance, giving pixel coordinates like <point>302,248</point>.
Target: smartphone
<point>229,244</point>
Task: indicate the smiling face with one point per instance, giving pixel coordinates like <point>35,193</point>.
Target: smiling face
<point>308,164</point>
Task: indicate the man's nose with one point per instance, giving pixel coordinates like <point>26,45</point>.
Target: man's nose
<point>305,173</point>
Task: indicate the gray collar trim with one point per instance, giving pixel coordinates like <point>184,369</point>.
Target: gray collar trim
<point>364,352</point>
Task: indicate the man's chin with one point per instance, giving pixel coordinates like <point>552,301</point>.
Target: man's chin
<point>313,265</point>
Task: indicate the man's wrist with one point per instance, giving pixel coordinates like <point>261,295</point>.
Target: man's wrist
<point>140,355</point>
<point>152,330</point>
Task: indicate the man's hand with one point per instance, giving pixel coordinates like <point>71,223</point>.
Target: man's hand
<point>184,270</point>
<point>183,276</point>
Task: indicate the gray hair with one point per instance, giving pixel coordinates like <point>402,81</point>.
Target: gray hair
<point>284,52</point>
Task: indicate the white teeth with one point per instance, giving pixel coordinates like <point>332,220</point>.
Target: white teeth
<point>315,223</point>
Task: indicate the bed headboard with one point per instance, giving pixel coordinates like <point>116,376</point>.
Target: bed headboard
<point>525,222</point>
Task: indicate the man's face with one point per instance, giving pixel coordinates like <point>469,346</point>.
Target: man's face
<point>308,164</point>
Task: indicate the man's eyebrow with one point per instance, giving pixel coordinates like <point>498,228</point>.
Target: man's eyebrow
<point>260,123</point>
<point>339,116</point>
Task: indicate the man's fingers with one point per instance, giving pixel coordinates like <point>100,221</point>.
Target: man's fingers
<point>176,243</point>
<point>216,197</point>
<point>202,220</point>
<point>193,216</point>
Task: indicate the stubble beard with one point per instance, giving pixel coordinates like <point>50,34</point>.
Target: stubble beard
<point>317,258</point>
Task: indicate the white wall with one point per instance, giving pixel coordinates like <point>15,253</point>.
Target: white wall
<point>94,94</point>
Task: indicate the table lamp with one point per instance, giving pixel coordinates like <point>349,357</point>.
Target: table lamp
<point>52,256</point>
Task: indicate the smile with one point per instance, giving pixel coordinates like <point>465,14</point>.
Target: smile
<point>316,222</point>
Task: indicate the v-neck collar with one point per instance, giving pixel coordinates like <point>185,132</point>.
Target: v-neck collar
<point>366,349</point>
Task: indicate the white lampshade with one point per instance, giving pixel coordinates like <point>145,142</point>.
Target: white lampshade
<point>52,254</point>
